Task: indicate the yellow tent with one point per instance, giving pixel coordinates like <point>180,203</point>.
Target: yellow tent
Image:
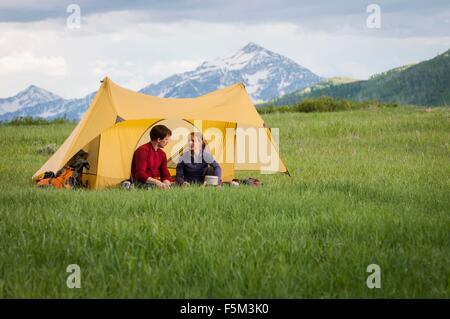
<point>118,121</point>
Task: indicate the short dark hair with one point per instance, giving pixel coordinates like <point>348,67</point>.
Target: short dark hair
<point>159,131</point>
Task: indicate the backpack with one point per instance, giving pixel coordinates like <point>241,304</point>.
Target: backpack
<point>69,176</point>
<point>64,178</point>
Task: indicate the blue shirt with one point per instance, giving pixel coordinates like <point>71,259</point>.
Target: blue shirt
<point>192,168</point>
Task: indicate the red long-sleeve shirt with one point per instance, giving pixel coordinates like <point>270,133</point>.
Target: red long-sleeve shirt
<point>149,163</point>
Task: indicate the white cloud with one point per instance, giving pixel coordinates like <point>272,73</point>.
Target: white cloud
<point>26,62</point>
<point>134,51</point>
<point>161,69</point>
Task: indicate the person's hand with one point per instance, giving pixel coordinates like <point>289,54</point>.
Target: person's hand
<point>167,182</point>
<point>162,185</point>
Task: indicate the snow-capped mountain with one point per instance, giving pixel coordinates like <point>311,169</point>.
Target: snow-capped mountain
<point>37,102</point>
<point>265,74</point>
<point>29,97</point>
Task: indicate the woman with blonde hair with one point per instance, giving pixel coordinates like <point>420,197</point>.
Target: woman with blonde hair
<point>196,163</point>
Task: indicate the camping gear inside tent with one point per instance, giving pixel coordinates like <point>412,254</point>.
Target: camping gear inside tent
<point>118,121</point>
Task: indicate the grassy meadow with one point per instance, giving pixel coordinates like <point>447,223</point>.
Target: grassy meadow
<point>367,187</point>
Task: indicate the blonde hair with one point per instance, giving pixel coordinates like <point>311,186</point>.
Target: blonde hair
<point>199,136</point>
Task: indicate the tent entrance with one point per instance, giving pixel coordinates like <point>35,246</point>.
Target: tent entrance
<point>111,153</point>
<point>177,143</point>
<point>181,129</point>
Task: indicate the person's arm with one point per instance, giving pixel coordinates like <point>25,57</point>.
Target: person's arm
<point>217,170</point>
<point>163,170</point>
<point>180,172</point>
<point>208,158</point>
<point>140,163</point>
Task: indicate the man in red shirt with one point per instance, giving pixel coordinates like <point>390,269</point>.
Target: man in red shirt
<point>149,164</point>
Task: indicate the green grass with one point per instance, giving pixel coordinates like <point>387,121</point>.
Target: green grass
<point>367,186</point>
<point>324,104</point>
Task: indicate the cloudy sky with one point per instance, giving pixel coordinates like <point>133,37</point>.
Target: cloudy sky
<point>141,42</point>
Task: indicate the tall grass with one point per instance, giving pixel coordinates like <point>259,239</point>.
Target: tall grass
<point>367,187</point>
<point>28,120</point>
<point>325,104</point>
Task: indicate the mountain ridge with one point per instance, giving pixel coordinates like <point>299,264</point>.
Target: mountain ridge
<point>426,83</point>
<point>265,74</point>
